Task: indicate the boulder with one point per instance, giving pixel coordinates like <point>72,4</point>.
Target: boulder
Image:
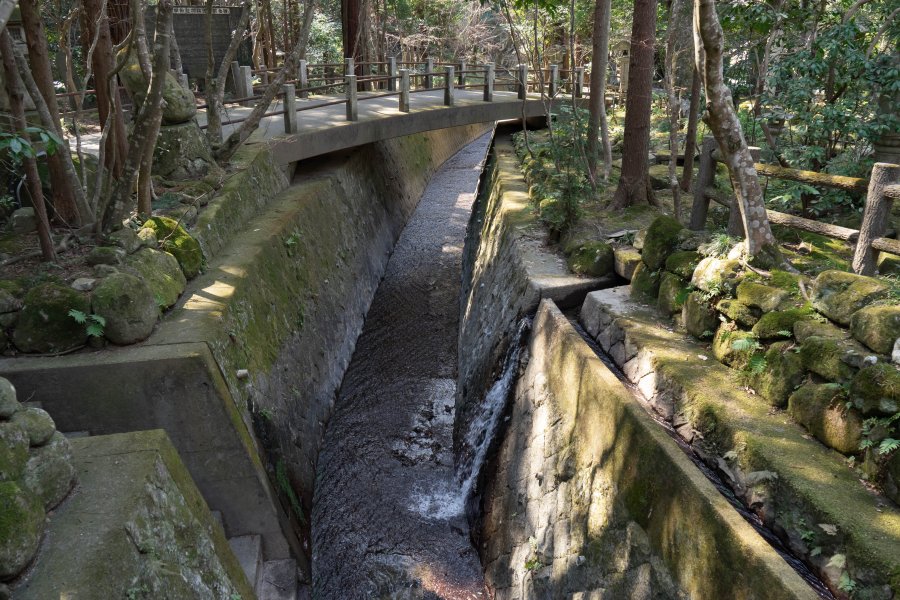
<point>639,237</point>
<point>645,283</point>
<point>8,403</point>
<point>592,258</point>
<point>807,328</point>
<point>37,423</point>
<point>660,242</point>
<point>733,347</point>
<point>105,255</point>
<point>891,477</point>
<point>23,220</point>
<point>126,239</point>
<point>717,275</point>
<point>821,408</point>
<point>699,317</point>
<point>22,524</point>
<point>672,293</point>
<point>878,327</point>
<point>763,297</point>
<point>875,390</point>
<point>147,237</point>
<point>779,324</point>
<point>888,264</point>
<point>128,305</point>
<point>44,323</point>
<point>49,473</point>
<point>738,312</point>
<point>831,358</point>
<point>625,261</point>
<point>8,302</point>
<point>783,373</point>
<point>13,450</point>
<point>178,106</point>
<point>179,243</point>
<point>683,263</point>
<point>84,284</point>
<point>838,294</point>
<point>160,270</point>
<point>689,239</point>
<point>182,153</point>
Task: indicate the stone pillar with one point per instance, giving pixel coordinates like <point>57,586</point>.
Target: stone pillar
<point>429,70</point>
<point>303,78</point>
<point>246,84</point>
<point>392,73</point>
<point>489,82</point>
<point>290,109</point>
<point>449,96</point>
<point>623,72</point>
<point>523,81</point>
<point>235,79</point>
<point>352,99</point>
<point>578,90</point>
<point>404,90</point>
<point>462,74</point>
<point>554,81</point>
<point>349,66</point>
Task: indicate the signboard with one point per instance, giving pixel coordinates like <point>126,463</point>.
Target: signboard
<point>198,10</point>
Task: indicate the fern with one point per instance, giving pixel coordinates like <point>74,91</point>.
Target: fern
<point>888,445</point>
<point>757,365</point>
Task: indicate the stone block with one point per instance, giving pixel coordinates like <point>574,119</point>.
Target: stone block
<point>626,260</point>
<point>821,408</point>
<point>838,294</point>
<point>878,327</point>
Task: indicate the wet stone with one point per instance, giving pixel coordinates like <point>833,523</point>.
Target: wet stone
<point>37,423</point>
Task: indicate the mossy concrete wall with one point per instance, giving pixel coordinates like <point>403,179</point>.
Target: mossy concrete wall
<point>589,496</point>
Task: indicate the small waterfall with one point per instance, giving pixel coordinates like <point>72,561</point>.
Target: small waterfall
<point>485,422</point>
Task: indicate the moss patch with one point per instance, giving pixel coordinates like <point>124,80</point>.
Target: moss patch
<point>738,311</point>
<point>673,292</point>
<point>779,324</point>
<point>763,297</point>
<point>878,327</point>
<point>876,390</point>
<point>591,258</point>
<point>21,527</point>
<point>179,243</point>
<point>783,372</point>
<point>822,356</point>
<point>44,323</point>
<point>645,283</point>
<point>682,263</point>
<point>838,294</point>
<point>821,409</point>
<point>661,241</point>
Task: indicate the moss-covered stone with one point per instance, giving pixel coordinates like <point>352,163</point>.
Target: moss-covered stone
<point>128,305</point>
<point>21,526</point>
<point>732,346</point>
<point>838,294</point>
<point>645,283</point>
<point>160,270</point>
<point>821,408</point>
<point>891,477</point>
<point>179,243</point>
<point>683,263</point>
<point>717,275</point>
<point>8,302</point>
<point>783,372</point>
<point>105,255</point>
<point>875,390</point>
<point>738,312</point>
<point>660,242</point>
<point>593,258</point>
<point>805,329</point>
<point>626,260</point>
<point>888,264</point>
<point>37,423</point>
<point>878,327</point>
<point>182,152</point>
<point>126,239</point>
<point>147,237</point>
<point>178,106</point>
<point>672,293</point>
<point>44,323</point>
<point>824,357</point>
<point>763,297</point>
<point>8,403</point>
<point>700,319</point>
<point>779,324</point>
<point>13,450</point>
<point>49,473</point>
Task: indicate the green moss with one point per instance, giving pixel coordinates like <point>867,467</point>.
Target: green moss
<point>682,263</point>
<point>700,319</point>
<point>160,270</point>
<point>822,355</point>
<point>876,389</point>
<point>14,444</point>
<point>821,408</point>
<point>284,484</point>
<point>763,297</point>
<point>785,281</point>
<point>661,241</point>
<point>44,323</point>
<point>179,243</point>
<point>779,324</point>
<point>878,327</point>
<point>673,291</point>
<point>733,347</point>
<point>591,258</point>
<point>645,283</point>
<point>783,372</point>
<point>21,527</point>
<point>838,294</point>
<point>808,328</point>
<point>738,311</point>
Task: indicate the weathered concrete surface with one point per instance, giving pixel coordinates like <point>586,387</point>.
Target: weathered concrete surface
<point>590,496</point>
<point>507,269</point>
<point>387,518</point>
<point>793,483</point>
<point>136,527</point>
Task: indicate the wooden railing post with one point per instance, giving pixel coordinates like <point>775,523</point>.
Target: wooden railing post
<point>246,84</point>
<point>404,90</point>
<point>349,66</point>
<point>462,73</point>
<point>705,177</point>
<point>489,82</point>
<point>264,78</point>
<point>235,78</point>
<point>554,80</point>
<point>429,73</point>
<point>876,216</point>
<point>523,81</point>
<point>449,95</point>
<point>290,108</point>
<point>352,99</point>
<point>392,73</point>
<point>735,223</point>
<point>303,78</point>
<point>579,83</point>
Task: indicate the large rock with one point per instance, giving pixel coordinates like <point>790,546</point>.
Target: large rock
<point>717,275</point>
<point>838,294</point>
<point>182,152</point>
<point>626,260</point>
<point>876,390</point>
<point>23,220</point>
<point>738,312</point>
<point>37,423</point>
<point>128,305</point>
<point>780,323</point>
<point>764,297</point>
<point>160,270</point>
<point>105,255</point>
<point>49,473</point>
<point>660,242</point>
<point>179,105</point>
<point>683,263</point>
<point>805,329</point>
<point>832,358</point>
<point>44,323</point>
<point>733,347</point>
<point>784,371</point>
<point>700,319</point>
<point>672,293</point>
<point>21,526</point>
<point>891,482</point>
<point>13,450</point>
<point>645,283</point>
<point>8,403</point>
<point>126,239</point>
<point>592,258</point>
<point>878,327</point>
<point>178,242</point>
<point>821,408</point>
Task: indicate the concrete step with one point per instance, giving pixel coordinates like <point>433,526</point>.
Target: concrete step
<point>248,550</point>
<point>278,580</point>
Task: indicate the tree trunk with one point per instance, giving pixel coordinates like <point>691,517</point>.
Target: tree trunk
<point>709,42</point>
<point>634,185</point>
<point>144,182</point>
<point>32,178</point>
<point>690,140</point>
<point>597,99</point>
<point>63,195</point>
<point>673,105</point>
<point>215,87</point>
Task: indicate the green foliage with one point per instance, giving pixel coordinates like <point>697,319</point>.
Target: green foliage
<point>93,324</point>
<point>284,484</point>
<point>877,434</point>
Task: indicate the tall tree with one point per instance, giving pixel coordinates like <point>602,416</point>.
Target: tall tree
<point>597,99</point>
<point>634,185</point>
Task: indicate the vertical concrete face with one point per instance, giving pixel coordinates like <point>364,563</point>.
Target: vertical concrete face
<point>352,98</point>
<point>290,109</point>
<point>246,79</point>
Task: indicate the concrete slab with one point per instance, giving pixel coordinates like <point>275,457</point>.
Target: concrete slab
<point>248,551</point>
<point>278,580</point>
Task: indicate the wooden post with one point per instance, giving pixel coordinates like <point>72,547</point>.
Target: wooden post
<point>554,80</point>
<point>523,81</point>
<point>876,217</point>
<point>303,78</point>
<point>290,108</point>
<point>349,66</point>
<point>449,96</point>
<point>705,177</point>
<point>392,73</point>
<point>489,82</point>
<point>264,78</point>
<point>352,99</point>
<point>579,82</point>
<point>247,84</point>
<point>462,74</point>
<point>735,223</point>
<point>235,78</point>
<point>429,70</point>
<point>404,90</point>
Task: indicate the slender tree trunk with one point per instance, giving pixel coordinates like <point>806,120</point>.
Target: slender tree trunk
<point>36,40</point>
<point>597,99</point>
<point>709,43</point>
<point>690,139</point>
<point>215,87</point>
<point>144,180</point>
<point>673,104</point>
<point>634,185</point>
<point>32,178</point>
